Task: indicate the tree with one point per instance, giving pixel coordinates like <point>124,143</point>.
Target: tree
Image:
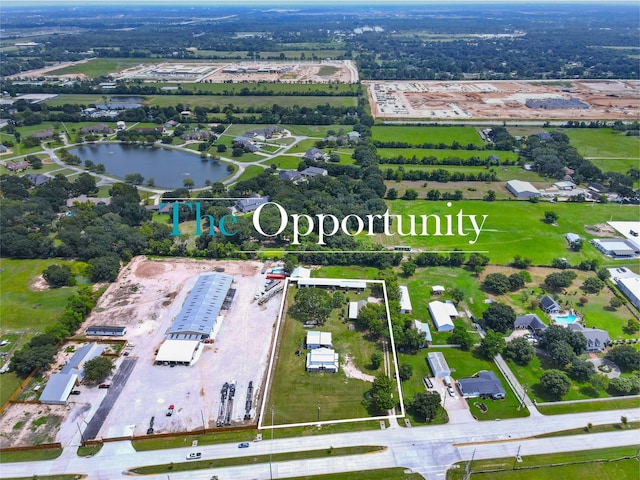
<point>555,383</point>
<point>519,350</point>
<point>492,344</point>
<point>28,359</point>
<point>561,354</point>
<point>626,357</point>
<point>382,393</point>
<point>97,369</point>
<point>457,295</point>
<point>490,196</point>
<point>581,370</point>
<point>425,405</point>
<point>624,385</point>
<point>593,285</point>
<point>557,333</point>
<point>338,299</point>
<point>392,194</point>
<point>134,179</point>
<point>519,262</point>
<point>460,336</point>
<point>631,327</point>
<point>188,182</point>
<point>576,245</point>
<point>558,280</point>
<point>376,359</point>
<point>58,276</point>
<point>497,283</point>
<point>312,304</point>
<point>516,281</point>
<point>550,217</point>
<point>603,273</point>
<point>405,371</point>
<point>104,269</point>
<point>616,303</point>
<point>499,317</point>
<point>408,268</point>
<point>410,194</point>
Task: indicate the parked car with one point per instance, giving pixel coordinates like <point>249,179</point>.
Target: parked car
<point>170,410</point>
<point>243,445</point>
<point>451,391</point>
<point>75,392</point>
<point>104,385</point>
<point>194,456</point>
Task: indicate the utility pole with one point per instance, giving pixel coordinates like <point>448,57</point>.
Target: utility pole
<point>468,468</point>
<point>318,412</point>
<point>203,428</point>
<point>517,457</point>
<point>81,435</point>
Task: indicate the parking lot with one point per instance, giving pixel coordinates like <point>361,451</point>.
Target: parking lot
<point>146,298</point>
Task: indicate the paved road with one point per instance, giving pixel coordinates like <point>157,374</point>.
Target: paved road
<point>427,450</point>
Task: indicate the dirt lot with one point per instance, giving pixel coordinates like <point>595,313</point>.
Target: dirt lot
<point>146,298</point>
<point>498,100</point>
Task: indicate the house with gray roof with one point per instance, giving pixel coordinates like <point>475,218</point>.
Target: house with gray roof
<point>530,321</point>
<point>597,339</point>
<point>246,205</point>
<point>313,172</point>
<point>292,175</point>
<point>316,155</point>
<point>484,384</point>
<point>549,305</point>
<point>37,179</point>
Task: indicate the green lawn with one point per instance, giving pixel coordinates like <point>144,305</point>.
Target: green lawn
<point>417,135</point>
<point>603,143</point>
<point>605,464</point>
<point>443,153</point>
<point>250,172</point>
<point>286,162</point>
<point>511,228</point>
<point>382,474</point>
<point>246,101</point>
<point>103,66</point>
<point>596,406</point>
<point>25,308</point>
<point>339,397</point>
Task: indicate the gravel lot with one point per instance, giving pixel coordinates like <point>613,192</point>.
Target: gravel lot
<point>146,298</point>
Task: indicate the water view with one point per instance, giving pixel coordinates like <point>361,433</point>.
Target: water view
<point>167,167</point>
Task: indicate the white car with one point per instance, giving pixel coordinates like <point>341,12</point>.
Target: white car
<point>451,391</point>
<point>194,456</point>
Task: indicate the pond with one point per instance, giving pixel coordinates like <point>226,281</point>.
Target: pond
<point>168,167</point>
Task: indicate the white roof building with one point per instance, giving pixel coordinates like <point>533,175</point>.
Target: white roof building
<point>317,339</point>
<point>521,189</point>
<point>354,309</point>
<point>438,364</point>
<point>405,300</point>
<point>437,289</point>
<point>322,360</point>
<point>301,272</point>
<point>441,313</point>
<point>58,388</point>
<point>184,352</point>
<point>630,286</point>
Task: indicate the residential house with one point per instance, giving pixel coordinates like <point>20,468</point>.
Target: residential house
<point>549,305</point>
<point>292,175</point>
<point>597,339</point>
<point>246,205</point>
<point>316,155</point>
<point>37,179</point>
<point>530,321</point>
<point>17,166</point>
<point>313,172</point>
<point>484,384</point>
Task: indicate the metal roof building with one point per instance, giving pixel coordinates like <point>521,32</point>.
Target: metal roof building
<point>182,352</point>
<point>199,314</point>
<point>322,360</point>
<point>317,339</point>
<point>521,189</point>
<point>58,388</point>
<point>441,313</point>
<point>438,364</point>
<point>405,300</point>
<point>85,353</point>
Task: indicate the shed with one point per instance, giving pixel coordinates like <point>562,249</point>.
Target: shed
<point>437,289</point>
<point>572,238</point>
<point>438,364</point>
<point>301,272</point>
<point>354,309</point>
<point>423,328</point>
<point>317,339</point>
<point>106,331</point>
<point>405,300</point>
<point>331,283</point>
<point>521,189</point>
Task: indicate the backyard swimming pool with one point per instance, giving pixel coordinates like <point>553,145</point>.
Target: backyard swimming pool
<point>566,319</point>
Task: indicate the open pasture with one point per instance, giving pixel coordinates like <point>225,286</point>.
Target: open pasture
<point>417,135</point>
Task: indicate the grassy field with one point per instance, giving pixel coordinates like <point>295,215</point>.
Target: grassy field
<point>579,465</point>
<point>25,308</point>
<point>603,143</point>
<point>103,66</point>
<point>339,397</point>
<point>512,228</point>
<point>416,135</point>
<point>503,174</point>
<point>287,162</point>
<point>596,406</point>
<point>246,101</point>
<point>250,172</point>
<point>261,88</point>
<point>441,153</point>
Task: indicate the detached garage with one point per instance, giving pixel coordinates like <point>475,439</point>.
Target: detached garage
<point>178,352</point>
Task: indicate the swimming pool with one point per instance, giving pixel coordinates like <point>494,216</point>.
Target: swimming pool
<point>566,319</point>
